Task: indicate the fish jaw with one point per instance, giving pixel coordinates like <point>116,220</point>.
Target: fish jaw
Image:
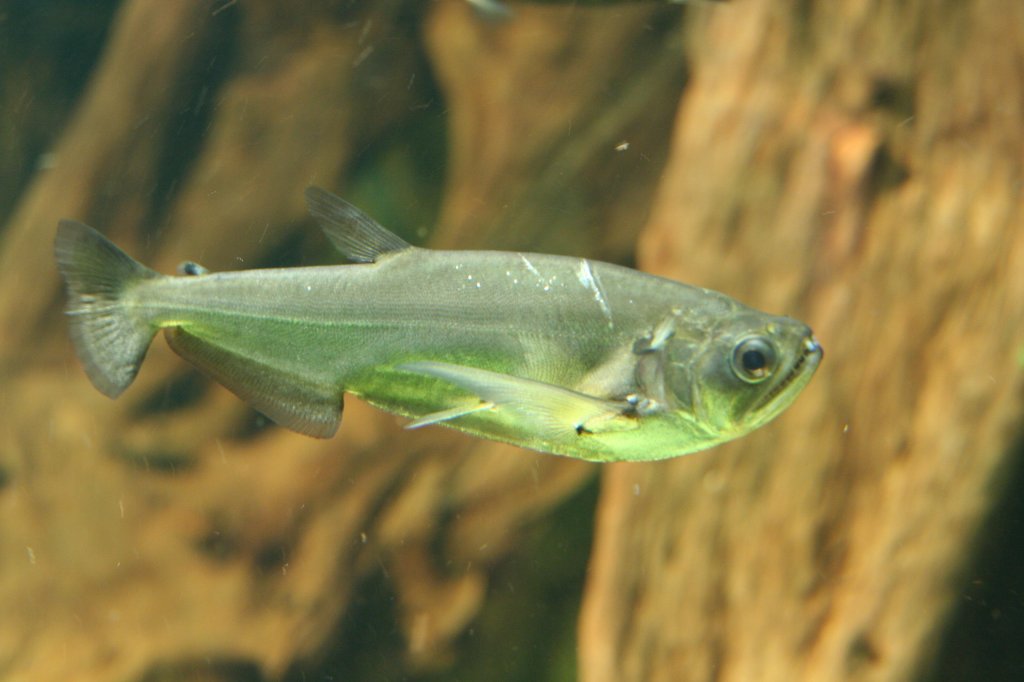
<point>791,382</point>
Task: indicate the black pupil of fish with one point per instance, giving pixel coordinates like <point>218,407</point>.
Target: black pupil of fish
<point>753,360</point>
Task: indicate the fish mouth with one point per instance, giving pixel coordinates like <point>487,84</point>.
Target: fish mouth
<point>804,366</point>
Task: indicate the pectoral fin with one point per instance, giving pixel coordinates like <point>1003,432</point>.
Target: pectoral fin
<point>452,413</point>
<point>551,410</point>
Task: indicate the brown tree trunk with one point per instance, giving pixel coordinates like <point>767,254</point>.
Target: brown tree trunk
<point>858,165</point>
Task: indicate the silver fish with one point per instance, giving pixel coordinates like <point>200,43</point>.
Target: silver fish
<point>557,354</point>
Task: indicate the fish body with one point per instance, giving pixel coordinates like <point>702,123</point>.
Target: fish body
<point>557,354</point>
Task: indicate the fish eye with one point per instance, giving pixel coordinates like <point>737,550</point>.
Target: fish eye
<point>753,359</point>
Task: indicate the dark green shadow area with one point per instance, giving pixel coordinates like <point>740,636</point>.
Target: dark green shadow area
<point>986,628</point>
<point>525,633</point>
<point>47,52</point>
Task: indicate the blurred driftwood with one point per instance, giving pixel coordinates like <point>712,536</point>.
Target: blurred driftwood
<point>858,165</point>
<point>164,536</point>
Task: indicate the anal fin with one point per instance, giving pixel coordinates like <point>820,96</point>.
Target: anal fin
<point>552,411</point>
<point>295,402</point>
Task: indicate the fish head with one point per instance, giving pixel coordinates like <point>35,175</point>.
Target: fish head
<point>740,373</point>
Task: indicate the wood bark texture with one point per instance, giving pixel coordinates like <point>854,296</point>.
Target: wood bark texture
<point>857,165</point>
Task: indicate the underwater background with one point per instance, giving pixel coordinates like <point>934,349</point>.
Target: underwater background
<point>857,165</point>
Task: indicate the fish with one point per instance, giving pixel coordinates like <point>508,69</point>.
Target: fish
<point>557,354</point>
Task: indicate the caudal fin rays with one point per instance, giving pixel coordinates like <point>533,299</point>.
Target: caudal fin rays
<point>110,337</point>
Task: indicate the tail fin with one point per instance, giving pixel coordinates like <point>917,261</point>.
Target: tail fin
<point>110,338</point>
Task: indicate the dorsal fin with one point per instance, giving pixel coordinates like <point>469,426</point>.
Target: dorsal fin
<point>361,238</point>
